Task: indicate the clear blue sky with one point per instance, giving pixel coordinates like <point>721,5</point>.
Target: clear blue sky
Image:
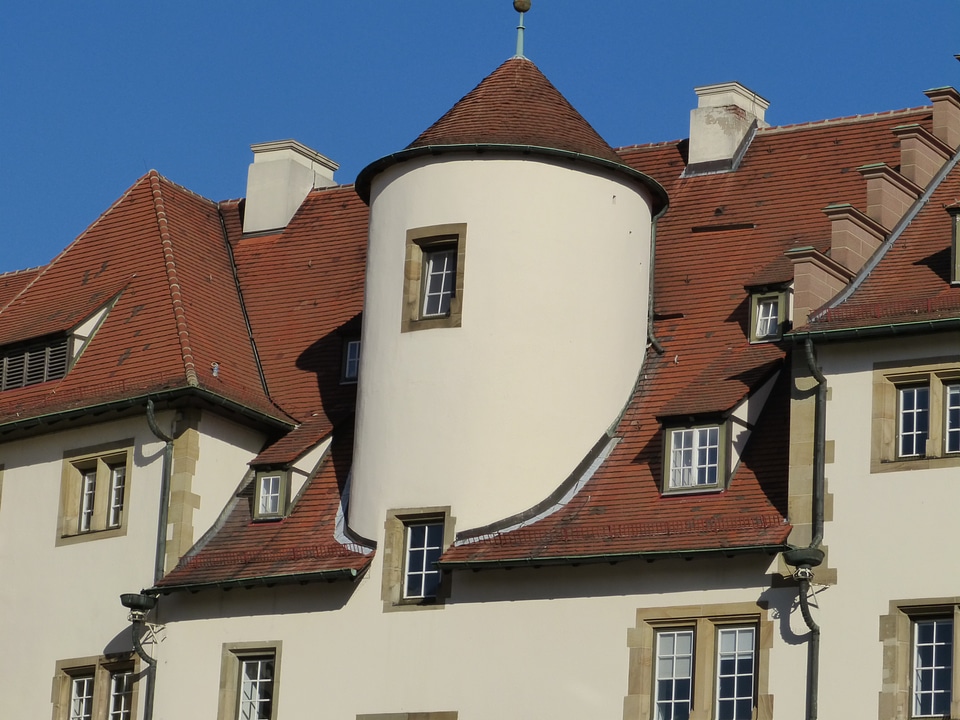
<point>93,94</point>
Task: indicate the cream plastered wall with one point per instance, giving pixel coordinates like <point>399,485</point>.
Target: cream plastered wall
<point>62,601</point>
<point>490,417</point>
<point>508,644</point>
<point>892,534</point>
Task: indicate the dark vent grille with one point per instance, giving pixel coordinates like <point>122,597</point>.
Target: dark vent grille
<point>20,367</point>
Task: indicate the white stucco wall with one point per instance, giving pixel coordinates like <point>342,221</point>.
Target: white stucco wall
<point>62,602</point>
<point>508,644</point>
<point>490,417</point>
<point>891,535</point>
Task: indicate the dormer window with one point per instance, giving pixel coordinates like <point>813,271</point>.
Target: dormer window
<point>768,314</point>
<point>29,365</point>
<point>271,495</point>
<point>351,361</point>
<point>695,458</point>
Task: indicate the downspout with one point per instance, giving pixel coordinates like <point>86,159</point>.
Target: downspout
<point>805,559</point>
<point>158,565</point>
<point>135,629</point>
<point>654,342</point>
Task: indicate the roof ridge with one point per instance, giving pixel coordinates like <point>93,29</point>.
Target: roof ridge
<point>7,273</point>
<point>173,281</point>
<point>655,144</point>
<point>77,239</point>
<point>846,119</point>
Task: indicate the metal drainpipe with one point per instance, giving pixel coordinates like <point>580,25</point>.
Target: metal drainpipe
<point>158,565</point>
<point>805,559</point>
<point>135,629</point>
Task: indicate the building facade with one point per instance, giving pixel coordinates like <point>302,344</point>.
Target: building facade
<point>519,425</point>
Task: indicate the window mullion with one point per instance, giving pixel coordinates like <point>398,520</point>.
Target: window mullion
<point>955,698</point>
<point>703,683</point>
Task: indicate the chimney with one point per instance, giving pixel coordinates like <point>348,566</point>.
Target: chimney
<point>721,127</point>
<point>946,115</point>
<point>281,175</point>
<point>922,154</point>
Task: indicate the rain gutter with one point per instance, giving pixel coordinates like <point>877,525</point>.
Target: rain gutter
<point>253,582</point>
<point>610,558</point>
<point>365,178</point>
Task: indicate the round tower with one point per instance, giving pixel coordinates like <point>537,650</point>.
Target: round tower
<point>505,313</point>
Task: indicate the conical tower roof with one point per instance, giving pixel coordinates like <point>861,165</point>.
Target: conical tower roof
<point>516,105</point>
<point>515,109</point>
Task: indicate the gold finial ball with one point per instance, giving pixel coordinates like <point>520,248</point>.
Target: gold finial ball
<point>521,5</point>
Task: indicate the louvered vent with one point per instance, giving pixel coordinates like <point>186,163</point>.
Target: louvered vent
<point>20,367</point>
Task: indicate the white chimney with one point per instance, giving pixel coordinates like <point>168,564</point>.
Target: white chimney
<point>721,127</point>
<point>280,176</point>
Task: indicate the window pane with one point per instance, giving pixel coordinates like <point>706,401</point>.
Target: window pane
<point>81,698</point>
<point>424,547</point>
<point>118,480</point>
<point>438,281</point>
<point>121,696</point>
<point>914,420</point>
<point>953,419</point>
<point>735,678</point>
<point>674,672</point>
<point>694,457</point>
<point>256,688</point>
<point>933,667</point>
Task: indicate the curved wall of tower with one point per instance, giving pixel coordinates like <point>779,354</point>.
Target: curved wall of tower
<point>491,416</point>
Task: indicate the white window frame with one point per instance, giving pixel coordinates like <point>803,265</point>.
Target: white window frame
<point>118,485</point>
<point>729,680</point>
<point>420,557</point>
<point>351,361</point>
<point>81,697</point>
<point>932,675</point>
<point>256,690</point>
<point>439,264</point>
<point>695,457</point>
<point>768,315</point>
<point>951,420</point>
<point>675,659</point>
<point>913,420</point>
<point>121,695</point>
<point>271,494</point>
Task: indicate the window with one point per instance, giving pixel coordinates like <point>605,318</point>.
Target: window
<point>696,458</point>
<point>421,574</point>
<point>919,662</point>
<point>709,661</point>
<point>439,274</point>
<point>272,493</point>
<point>914,421</point>
<point>351,361</point>
<point>22,366</point>
<point>249,681</point>
<point>916,416</point>
<point>95,688</point>
<point>414,541</point>
<point>94,492</point>
<point>256,688</point>
<point>768,315</point>
<point>433,277</point>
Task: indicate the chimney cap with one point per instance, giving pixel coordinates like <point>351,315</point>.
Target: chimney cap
<point>267,151</point>
<point>732,93</point>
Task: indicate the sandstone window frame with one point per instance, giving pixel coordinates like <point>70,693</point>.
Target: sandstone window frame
<point>232,659</point>
<point>435,715</point>
<point>897,636</point>
<point>101,671</point>
<point>395,557</point>
<point>705,621</point>
<point>91,513</point>
<point>889,379</point>
<point>420,242</point>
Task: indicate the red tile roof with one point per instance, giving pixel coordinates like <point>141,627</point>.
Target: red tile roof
<point>910,283</point>
<point>12,283</point>
<point>721,233</point>
<point>516,105</point>
<point>302,545</point>
<point>160,257</point>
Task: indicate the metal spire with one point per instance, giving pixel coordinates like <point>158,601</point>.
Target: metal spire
<point>521,6</point>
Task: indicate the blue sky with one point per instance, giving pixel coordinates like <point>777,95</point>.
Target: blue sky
<point>94,94</point>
